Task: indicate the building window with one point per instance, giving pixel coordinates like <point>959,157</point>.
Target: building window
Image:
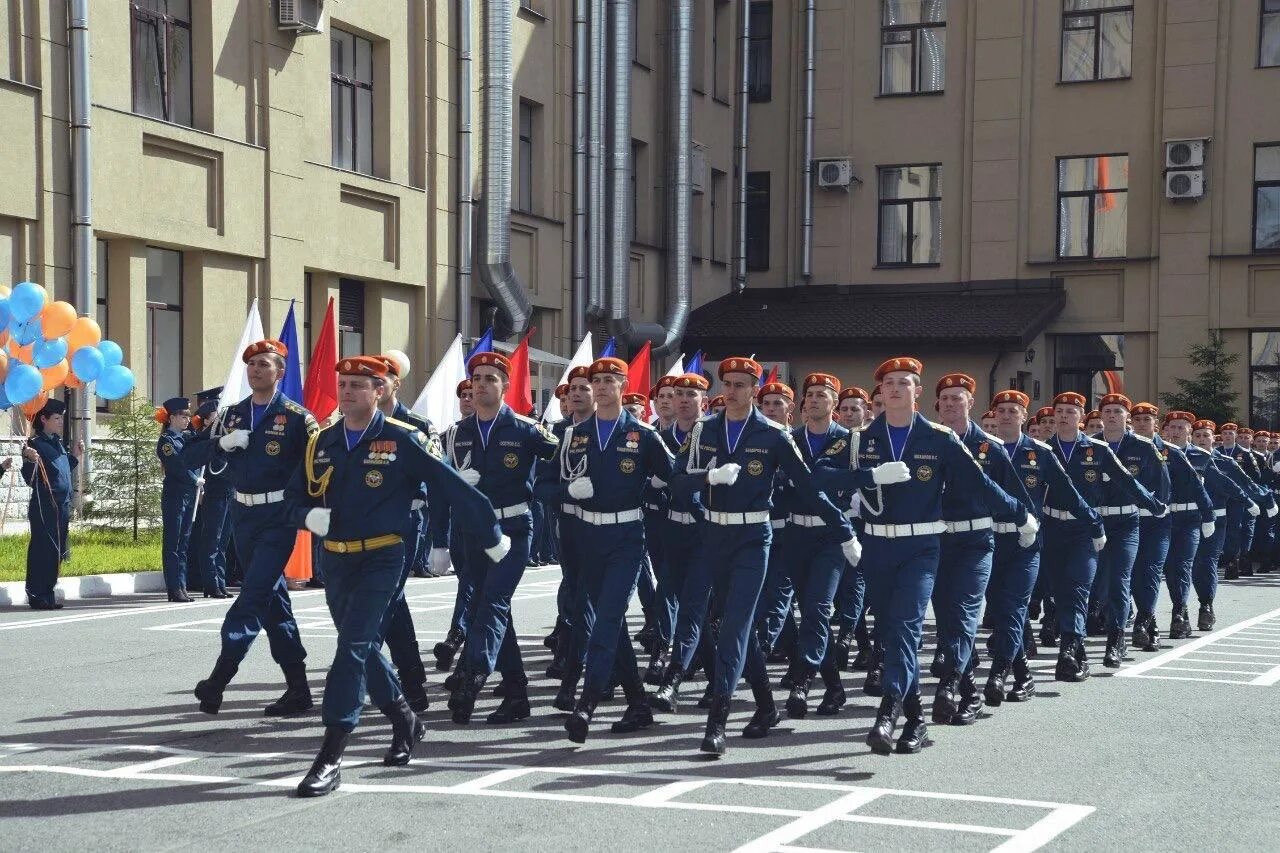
<point>1097,40</point>
<point>164,322</point>
<point>1266,197</point>
<point>161,56</point>
<point>760,54</point>
<point>910,215</point>
<point>1093,206</point>
<point>757,215</point>
<point>719,204</point>
<point>1091,365</point>
<point>913,46</point>
<point>351,89</point>
<point>1264,379</point>
<point>524,191</point>
<point>350,317</point>
<point>1269,34</point>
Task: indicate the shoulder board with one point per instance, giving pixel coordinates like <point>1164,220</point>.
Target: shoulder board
<point>648,426</point>
<point>293,407</point>
<point>940,427</point>
<point>986,436</point>
<point>777,425</point>
<point>521,419</point>
<point>1040,445</point>
<point>1142,438</point>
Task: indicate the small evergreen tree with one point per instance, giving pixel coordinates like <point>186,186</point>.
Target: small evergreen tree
<point>1209,393</point>
<point>126,472</point>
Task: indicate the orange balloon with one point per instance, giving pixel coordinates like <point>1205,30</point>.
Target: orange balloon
<point>56,319</point>
<point>55,375</point>
<point>23,354</point>
<point>5,291</point>
<point>33,406</point>
<point>73,382</point>
<point>4,366</point>
<point>84,333</point>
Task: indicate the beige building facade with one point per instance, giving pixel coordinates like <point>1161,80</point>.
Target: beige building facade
<point>1009,211</point>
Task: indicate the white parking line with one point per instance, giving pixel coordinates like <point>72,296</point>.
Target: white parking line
<point>1210,649</point>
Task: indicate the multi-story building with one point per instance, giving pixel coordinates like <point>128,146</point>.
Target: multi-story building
<point>996,186</point>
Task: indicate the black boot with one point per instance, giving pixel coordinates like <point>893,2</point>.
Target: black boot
<point>1072,665</point>
<point>209,691</point>
<point>515,703</point>
<point>638,714</point>
<point>766,715</point>
<point>938,666</point>
<point>843,645</point>
<point>657,666</point>
<point>1206,620</point>
<point>296,698</point>
<point>453,681</point>
<point>446,650</point>
<point>944,700</point>
<point>1029,640</point>
<point>788,679</point>
<point>463,701</point>
<point>970,701</point>
<point>1153,631</point>
<point>1094,623</point>
<point>874,684</point>
<point>325,774</point>
<point>579,721</point>
<point>668,696</point>
<point>1024,683</point>
<point>708,695</point>
<point>565,698</point>
<point>880,738</point>
<point>993,691</point>
<point>1049,632</point>
<point>915,734</point>
<point>717,719</point>
<point>1112,657</point>
<point>1179,624</point>
<point>552,640</point>
<point>1246,565</point>
<point>798,701</point>
<point>407,731</point>
<point>833,697</point>
<point>1142,632</point>
<point>1232,571</point>
<point>414,684</point>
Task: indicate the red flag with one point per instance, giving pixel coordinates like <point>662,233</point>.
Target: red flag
<point>322,381</point>
<point>638,372</point>
<point>520,391</point>
<point>773,375</point>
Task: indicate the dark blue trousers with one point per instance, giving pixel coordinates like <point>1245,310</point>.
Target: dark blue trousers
<point>964,569</point>
<point>737,556</point>
<point>1068,563</point>
<point>817,564</point>
<point>491,637</point>
<point>1115,568</point>
<point>900,577</point>
<point>1204,571</point>
<point>1014,570</point>
<point>666,593</point>
<point>1154,540</point>
<point>177,507</point>
<point>617,552</point>
<point>47,547</point>
<point>695,594</point>
<point>458,556</point>
<point>1184,542</point>
<point>398,629</point>
<point>211,541</point>
<point>264,540</point>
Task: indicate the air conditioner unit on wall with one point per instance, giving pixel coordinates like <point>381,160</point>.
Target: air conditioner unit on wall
<point>836,173</point>
<point>300,16</point>
<point>1188,183</point>
<point>1184,153</point>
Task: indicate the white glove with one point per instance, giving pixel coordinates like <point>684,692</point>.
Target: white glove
<point>1206,529</point>
<point>581,489</point>
<point>237,439</point>
<point>199,482</point>
<point>1027,532</point>
<point>1272,510</point>
<point>1106,478</point>
<point>1100,543</point>
<point>657,482</point>
<point>497,552</point>
<point>889,473</point>
<point>470,476</point>
<point>1253,509</point>
<point>439,562</point>
<point>852,550</point>
<point>318,521</point>
<point>725,475</point>
<point>1276,468</point>
<point>1163,512</point>
<point>417,504</point>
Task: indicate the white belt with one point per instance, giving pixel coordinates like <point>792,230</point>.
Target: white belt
<point>653,507</point>
<point>1219,513</point>
<point>807,520</point>
<point>511,511</point>
<point>1060,514</point>
<point>260,498</point>
<point>1006,527</point>
<point>966,526</point>
<point>571,509</point>
<point>600,519</point>
<point>1117,510</point>
<point>729,518</point>
<point>1146,513</point>
<point>777,523</point>
<point>895,531</point>
<point>681,517</point>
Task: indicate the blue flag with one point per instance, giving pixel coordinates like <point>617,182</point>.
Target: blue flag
<point>291,385</point>
<point>610,349</point>
<point>695,364</point>
<point>484,344</point>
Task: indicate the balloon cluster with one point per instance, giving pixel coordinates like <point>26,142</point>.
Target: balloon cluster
<point>44,345</point>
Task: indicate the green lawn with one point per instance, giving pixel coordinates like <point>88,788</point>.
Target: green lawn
<point>93,552</point>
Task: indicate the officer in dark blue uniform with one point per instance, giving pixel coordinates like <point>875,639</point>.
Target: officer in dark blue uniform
<point>1190,518</point>
<point>1264,525</point>
<point>667,589</point>
<point>47,468</point>
<point>854,414</point>
<point>902,526</point>
<point>497,449</point>
<point>258,444</point>
<point>177,494</point>
<point>1244,502</point>
<point>354,489</point>
<point>731,459</point>
<point>441,536</point>
<point>1241,520</point>
<point>211,531</point>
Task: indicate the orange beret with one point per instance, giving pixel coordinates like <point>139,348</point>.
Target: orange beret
<point>1231,425</point>
<point>1069,398</point>
<point>854,391</point>
<point>1145,409</point>
<point>907,363</point>
<point>1177,415</point>
<point>988,415</point>
<point>666,382</point>
<point>736,364</point>
<point>464,385</point>
<point>1205,423</point>
<point>562,390</point>
<point>1243,431</point>
<point>821,380</point>
<point>1262,433</point>
<point>774,388</point>
<point>691,380</point>
<point>956,380</point>
<point>270,345</point>
<point>1115,400</point>
<point>615,366</point>
<point>363,365</point>
<point>489,359</point>
<point>1011,396</point>
<point>633,398</point>
<point>875,392</point>
<point>393,366</point>
<point>717,402</point>
<point>1093,415</point>
<point>582,371</point>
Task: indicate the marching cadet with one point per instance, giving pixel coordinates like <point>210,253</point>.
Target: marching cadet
<point>854,409</point>
<point>655,636</point>
<point>1016,570</point>
<point>1070,564</point>
<point>258,445</point>
<point>877,402</point>
<point>902,527</point>
<point>1190,518</point>
<point>1189,551</point>
<point>211,533</point>
<point>445,651</point>
<point>1236,500</point>
<point>1139,456</point>
<point>853,413</point>
<point>1093,422</point>
<point>717,404</point>
<point>498,449</point>
<point>355,489</point>
<point>968,547</point>
<point>731,460</point>
<point>1241,519</point>
<point>1263,535</point>
<point>664,402</point>
<point>635,404</point>
<point>47,468</point>
<point>177,494</point>
<point>607,462</point>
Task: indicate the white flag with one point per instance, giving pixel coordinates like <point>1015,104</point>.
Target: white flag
<point>439,398</point>
<point>581,358</point>
<point>677,369</point>
<point>236,388</point>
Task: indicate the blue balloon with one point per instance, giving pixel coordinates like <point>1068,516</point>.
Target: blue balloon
<point>115,381</point>
<point>49,353</point>
<point>26,300</point>
<point>112,355</point>
<point>87,363</point>
<point>22,383</point>
<point>4,400</point>
<point>4,312</point>
<point>26,332</point>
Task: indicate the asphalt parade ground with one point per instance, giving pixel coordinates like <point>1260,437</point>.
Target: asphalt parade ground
<point>102,748</point>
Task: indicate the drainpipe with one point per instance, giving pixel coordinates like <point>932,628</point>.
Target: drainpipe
<point>466,204</point>
<point>86,298</point>
<point>740,149</point>
<point>806,214</point>
<point>596,97</point>
<point>581,74</point>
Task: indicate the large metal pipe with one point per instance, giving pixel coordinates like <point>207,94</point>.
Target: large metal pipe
<point>740,149</point>
<point>514,312</point>
<point>679,175</point>
<point>806,214</point>
<point>466,204</point>
<point>86,297</point>
<point>581,74</point>
<point>596,222</point>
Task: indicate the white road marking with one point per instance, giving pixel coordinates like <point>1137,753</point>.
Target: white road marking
<point>1210,649</point>
<point>814,820</point>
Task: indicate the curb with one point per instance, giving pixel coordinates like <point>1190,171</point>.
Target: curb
<point>14,593</point>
